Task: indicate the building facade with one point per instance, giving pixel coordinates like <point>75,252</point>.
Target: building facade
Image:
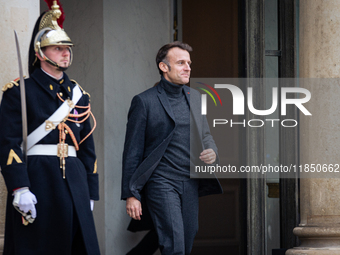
<point>114,59</point>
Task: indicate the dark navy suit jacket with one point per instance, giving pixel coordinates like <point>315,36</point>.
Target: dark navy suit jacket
<point>150,127</point>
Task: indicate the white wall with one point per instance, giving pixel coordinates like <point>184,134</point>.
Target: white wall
<point>20,16</point>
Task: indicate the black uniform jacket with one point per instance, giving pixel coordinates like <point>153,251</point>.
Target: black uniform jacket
<point>150,127</point>
<point>60,201</point>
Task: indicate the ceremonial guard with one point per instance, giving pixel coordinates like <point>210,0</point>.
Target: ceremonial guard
<point>51,186</point>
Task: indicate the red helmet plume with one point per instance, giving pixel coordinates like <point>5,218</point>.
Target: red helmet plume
<point>62,17</point>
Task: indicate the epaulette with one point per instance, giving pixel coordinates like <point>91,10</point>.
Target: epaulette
<point>10,85</point>
<point>84,92</point>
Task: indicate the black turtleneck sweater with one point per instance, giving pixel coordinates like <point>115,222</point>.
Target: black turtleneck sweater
<point>175,163</point>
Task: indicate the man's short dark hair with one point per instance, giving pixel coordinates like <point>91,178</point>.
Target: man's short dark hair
<point>163,52</point>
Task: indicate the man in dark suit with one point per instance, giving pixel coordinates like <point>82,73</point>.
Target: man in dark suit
<point>157,155</point>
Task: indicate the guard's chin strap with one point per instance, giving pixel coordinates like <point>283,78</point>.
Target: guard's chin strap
<point>63,69</point>
<point>53,64</point>
<point>56,65</point>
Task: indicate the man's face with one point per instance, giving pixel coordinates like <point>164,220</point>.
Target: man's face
<point>180,62</point>
<point>59,54</point>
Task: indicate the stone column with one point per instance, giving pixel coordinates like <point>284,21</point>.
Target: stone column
<point>21,16</point>
<point>319,229</point>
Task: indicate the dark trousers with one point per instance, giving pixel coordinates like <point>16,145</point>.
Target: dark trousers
<point>173,207</point>
<point>147,246</point>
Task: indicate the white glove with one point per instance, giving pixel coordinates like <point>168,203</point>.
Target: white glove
<point>24,201</point>
<point>92,204</point>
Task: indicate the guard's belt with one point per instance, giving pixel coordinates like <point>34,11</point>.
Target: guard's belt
<point>49,150</point>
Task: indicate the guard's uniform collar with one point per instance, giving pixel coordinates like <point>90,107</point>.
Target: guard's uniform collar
<point>51,85</point>
<point>53,77</point>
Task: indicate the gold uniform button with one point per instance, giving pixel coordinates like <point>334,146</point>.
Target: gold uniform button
<point>61,94</point>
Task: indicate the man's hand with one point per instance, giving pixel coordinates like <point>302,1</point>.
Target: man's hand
<point>24,201</point>
<point>208,156</point>
<point>133,208</point>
